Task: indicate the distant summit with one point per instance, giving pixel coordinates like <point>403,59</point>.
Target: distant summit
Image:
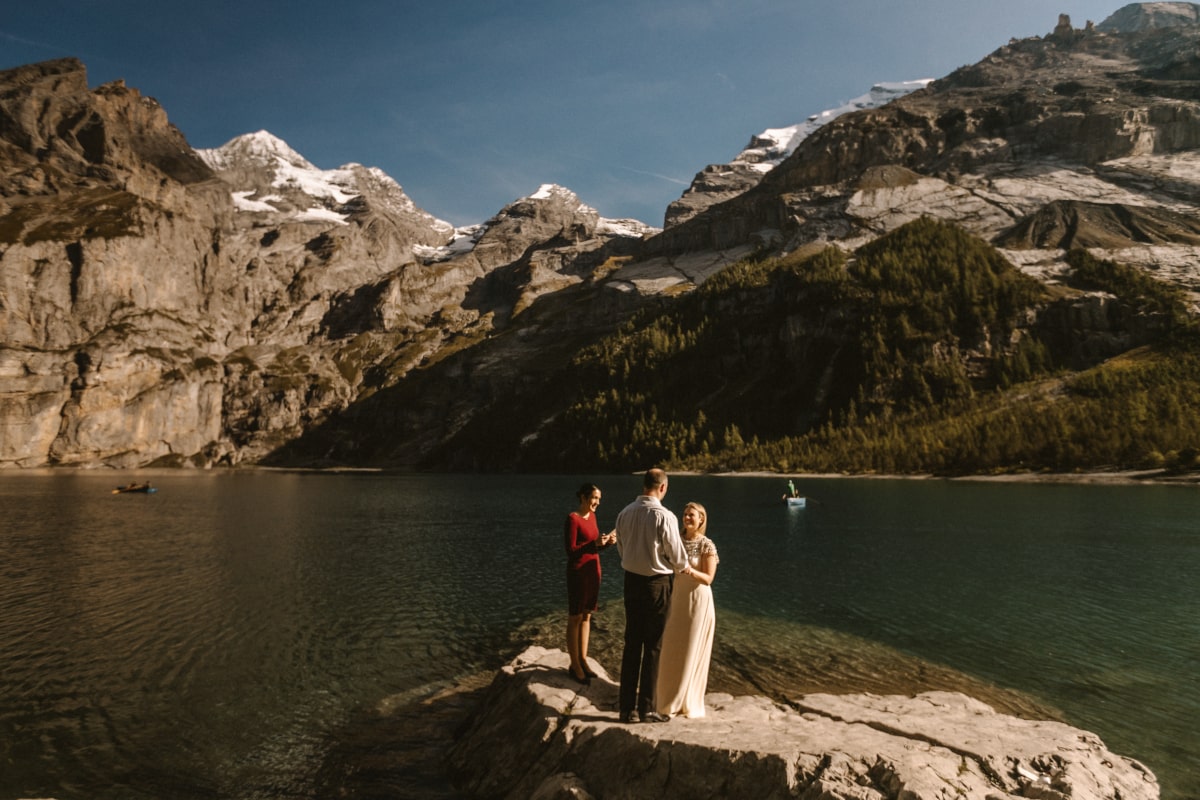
<point>769,148</point>
<point>1137,17</point>
<point>269,177</point>
<point>260,148</point>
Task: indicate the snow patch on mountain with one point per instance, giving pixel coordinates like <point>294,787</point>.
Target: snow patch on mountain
<point>610,227</point>
<point>465,238</point>
<point>550,191</point>
<point>463,242</point>
<point>769,148</point>
<point>262,153</point>
<point>627,228</point>
<point>255,158</point>
<point>243,202</point>
<point>265,152</point>
<point>261,147</point>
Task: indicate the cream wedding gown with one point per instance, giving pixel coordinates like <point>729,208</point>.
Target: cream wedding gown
<point>687,640</point>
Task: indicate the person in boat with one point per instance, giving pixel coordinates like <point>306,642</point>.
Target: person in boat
<point>791,492</point>
<point>134,487</point>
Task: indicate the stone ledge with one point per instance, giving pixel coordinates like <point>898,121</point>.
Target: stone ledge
<point>541,735</point>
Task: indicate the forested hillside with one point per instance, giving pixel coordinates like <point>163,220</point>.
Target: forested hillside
<point>925,352</point>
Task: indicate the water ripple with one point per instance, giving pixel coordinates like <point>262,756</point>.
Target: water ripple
<point>208,640</point>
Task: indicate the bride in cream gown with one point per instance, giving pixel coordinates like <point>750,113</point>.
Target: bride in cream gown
<point>688,637</point>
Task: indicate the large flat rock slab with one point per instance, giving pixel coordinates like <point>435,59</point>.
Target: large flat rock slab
<point>539,734</point>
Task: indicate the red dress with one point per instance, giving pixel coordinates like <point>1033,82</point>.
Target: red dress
<point>583,564</point>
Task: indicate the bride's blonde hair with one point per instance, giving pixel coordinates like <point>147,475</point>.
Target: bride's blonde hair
<point>702,528</point>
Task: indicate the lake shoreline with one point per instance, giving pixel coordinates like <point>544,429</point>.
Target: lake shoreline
<point>1113,477</point>
<point>1116,477</point>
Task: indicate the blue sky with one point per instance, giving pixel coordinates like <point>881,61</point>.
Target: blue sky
<point>470,105</point>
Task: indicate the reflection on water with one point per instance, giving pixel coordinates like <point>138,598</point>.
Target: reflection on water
<point>228,636</point>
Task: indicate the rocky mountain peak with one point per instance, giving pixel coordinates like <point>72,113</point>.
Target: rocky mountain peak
<point>556,208</point>
<point>1137,17</point>
<point>270,180</point>
<point>550,200</point>
<point>1076,114</point>
<point>553,200</point>
<point>767,150</point>
<point>60,135</point>
<point>27,119</point>
<point>259,149</point>
<point>552,214</point>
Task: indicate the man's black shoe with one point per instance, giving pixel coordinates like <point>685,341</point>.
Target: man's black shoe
<point>629,717</point>
<point>654,716</point>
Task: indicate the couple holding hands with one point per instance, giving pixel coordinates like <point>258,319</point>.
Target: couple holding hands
<point>669,613</point>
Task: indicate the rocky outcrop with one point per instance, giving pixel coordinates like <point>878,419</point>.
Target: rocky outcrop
<point>1100,114</point>
<point>539,735</point>
<point>1137,17</point>
<point>57,135</point>
<point>1066,224</point>
<point>714,184</point>
<point>717,183</point>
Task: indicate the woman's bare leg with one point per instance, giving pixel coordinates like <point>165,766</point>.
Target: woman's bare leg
<point>585,633</point>
<point>574,623</point>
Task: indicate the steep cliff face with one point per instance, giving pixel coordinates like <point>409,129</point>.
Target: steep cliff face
<point>107,223</point>
<point>162,305</point>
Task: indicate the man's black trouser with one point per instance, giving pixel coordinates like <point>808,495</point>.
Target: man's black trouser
<point>646,602</point>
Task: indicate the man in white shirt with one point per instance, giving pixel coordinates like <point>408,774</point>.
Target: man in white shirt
<point>651,553</point>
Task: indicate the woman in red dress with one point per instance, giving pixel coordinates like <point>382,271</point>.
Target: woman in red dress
<point>583,542</point>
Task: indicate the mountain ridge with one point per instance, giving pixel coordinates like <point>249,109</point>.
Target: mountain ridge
<point>951,146</point>
<point>768,149</point>
<point>198,308</point>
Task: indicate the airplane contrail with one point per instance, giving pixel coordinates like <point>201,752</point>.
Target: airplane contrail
<point>655,175</point>
<point>19,40</point>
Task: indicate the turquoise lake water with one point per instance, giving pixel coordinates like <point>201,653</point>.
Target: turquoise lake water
<point>208,640</point>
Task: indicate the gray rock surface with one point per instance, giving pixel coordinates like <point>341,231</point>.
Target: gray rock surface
<point>1144,16</point>
<point>539,734</point>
